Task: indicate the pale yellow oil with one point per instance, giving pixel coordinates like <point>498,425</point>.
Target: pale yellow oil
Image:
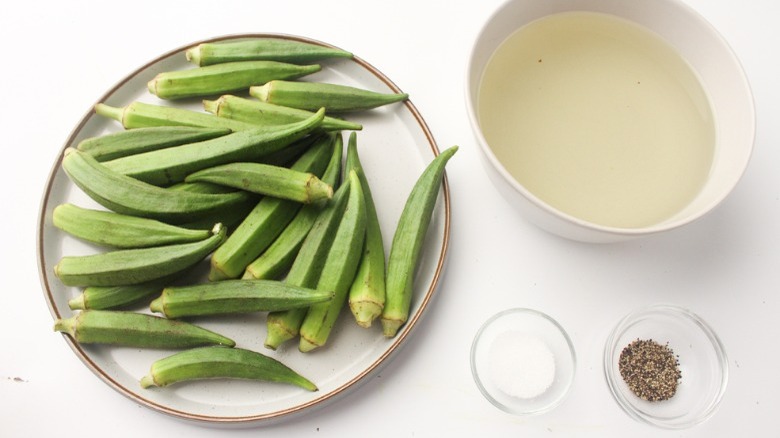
<point>598,117</point>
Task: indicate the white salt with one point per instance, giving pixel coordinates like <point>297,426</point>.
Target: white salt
<point>521,365</point>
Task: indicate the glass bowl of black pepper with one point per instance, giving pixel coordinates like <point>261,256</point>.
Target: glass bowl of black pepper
<point>665,366</point>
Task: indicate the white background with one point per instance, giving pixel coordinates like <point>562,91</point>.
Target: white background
<point>59,57</point>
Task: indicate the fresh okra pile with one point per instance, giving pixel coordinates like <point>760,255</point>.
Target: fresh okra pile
<point>257,185</point>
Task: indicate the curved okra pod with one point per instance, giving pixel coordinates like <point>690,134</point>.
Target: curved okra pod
<point>254,49</point>
<point>117,230</point>
<point>313,95</point>
<point>279,256</point>
<point>225,77</point>
<point>264,179</point>
<point>407,243</point>
<point>173,164</point>
<point>127,195</point>
<point>141,115</point>
<point>221,363</point>
<point>134,266</point>
<point>306,269</point>
<point>235,296</point>
<point>265,222</point>
<point>338,273</point>
<point>264,113</point>
<point>367,292</point>
<point>134,141</point>
<point>136,330</point>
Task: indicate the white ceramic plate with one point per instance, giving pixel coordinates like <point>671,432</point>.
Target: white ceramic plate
<point>395,145</point>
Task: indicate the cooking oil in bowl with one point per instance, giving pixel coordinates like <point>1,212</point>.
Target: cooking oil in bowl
<point>599,118</point>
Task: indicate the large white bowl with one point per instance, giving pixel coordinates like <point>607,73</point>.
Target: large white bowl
<point>709,55</point>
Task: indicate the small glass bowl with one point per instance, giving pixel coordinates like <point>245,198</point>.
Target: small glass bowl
<point>702,362</point>
<point>542,328</point>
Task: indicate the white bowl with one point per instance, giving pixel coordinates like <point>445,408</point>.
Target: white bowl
<point>712,60</point>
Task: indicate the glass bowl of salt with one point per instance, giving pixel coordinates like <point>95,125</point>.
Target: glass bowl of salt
<point>523,361</point>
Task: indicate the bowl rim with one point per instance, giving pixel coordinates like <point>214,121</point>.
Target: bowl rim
<point>537,202</point>
<point>680,312</point>
<point>568,377</point>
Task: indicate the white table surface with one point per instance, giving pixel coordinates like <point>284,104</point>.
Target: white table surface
<point>59,57</point>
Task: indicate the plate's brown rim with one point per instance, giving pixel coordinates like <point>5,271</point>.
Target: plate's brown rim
<point>277,415</point>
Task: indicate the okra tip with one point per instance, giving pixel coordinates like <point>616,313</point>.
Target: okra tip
<point>365,312</point>
<point>193,55</point>
<point>65,325</point>
<point>111,112</point>
<point>78,303</point>
<point>390,327</point>
<point>147,381</point>
<point>157,305</point>
<point>306,345</point>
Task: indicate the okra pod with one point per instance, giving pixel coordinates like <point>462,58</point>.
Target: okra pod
<point>221,363</point>
<point>235,296</point>
<point>339,270</point>
<point>408,241</point>
<point>265,222</point>
<point>367,292</point>
<point>256,49</point>
<point>136,330</point>
<point>264,113</point>
<point>117,230</point>
<point>225,77</point>
<point>127,195</point>
<point>141,115</point>
<point>279,256</point>
<point>229,217</point>
<point>134,266</point>
<point>172,165</point>
<point>117,297</point>
<point>263,179</point>
<point>313,95</point>
<point>307,267</point>
<point>134,141</point>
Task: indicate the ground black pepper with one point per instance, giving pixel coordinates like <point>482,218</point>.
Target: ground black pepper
<point>651,370</point>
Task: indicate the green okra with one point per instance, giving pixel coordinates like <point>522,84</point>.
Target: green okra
<point>264,179</point>
<point>307,267</point>
<point>277,259</point>
<point>264,113</point>
<point>266,220</point>
<point>142,115</point>
<point>133,329</point>
<point>367,292</point>
<point>338,273</point>
<point>127,195</point>
<point>220,78</point>
<point>172,165</point>
<point>334,98</point>
<point>134,266</point>
<point>117,230</point>
<point>408,241</point>
<point>229,217</point>
<point>256,49</point>
<point>134,141</point>
<point>221,363</point>
<point>235,296</point>
<point>117,297</point>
